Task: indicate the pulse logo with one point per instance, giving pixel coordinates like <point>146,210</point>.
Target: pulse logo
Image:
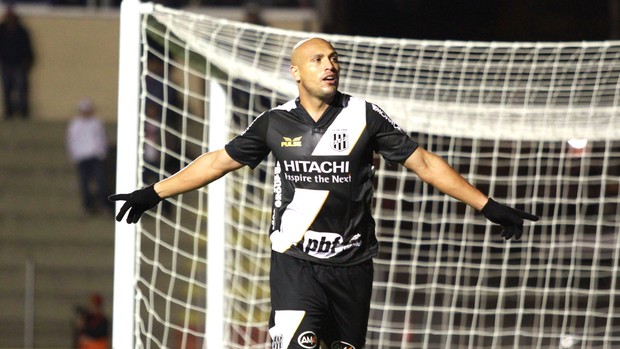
<point>291,142</point>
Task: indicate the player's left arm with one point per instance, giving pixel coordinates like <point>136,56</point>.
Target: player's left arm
<point>435,171</point>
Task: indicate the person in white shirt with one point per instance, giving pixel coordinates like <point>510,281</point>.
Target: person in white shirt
<point>87,147</point>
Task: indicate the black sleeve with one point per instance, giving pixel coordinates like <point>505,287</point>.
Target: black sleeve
<point>389,139</point>
<point>250,147</point>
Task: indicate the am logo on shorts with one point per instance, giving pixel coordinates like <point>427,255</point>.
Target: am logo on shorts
<point>308,340</point>
<point>341,345</point>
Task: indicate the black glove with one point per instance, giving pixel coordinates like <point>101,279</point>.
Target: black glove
<point>509,218</point>
<point>139,201</point>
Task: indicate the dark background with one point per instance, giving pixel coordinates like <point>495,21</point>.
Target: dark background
<point>478,20</point>
<point>484,20</point>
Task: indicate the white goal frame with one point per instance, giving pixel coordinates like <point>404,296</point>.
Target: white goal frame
<point>127,160</point>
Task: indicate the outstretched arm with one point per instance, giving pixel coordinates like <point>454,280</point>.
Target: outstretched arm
<point>435,171</point>
<point>202,171</point>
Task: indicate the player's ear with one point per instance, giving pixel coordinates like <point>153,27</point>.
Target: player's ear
<point>295,72</point>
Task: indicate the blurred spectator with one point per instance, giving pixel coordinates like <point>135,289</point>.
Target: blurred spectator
<point>16,59</point>
<point>253,14</point>
<point>93,326</point>
<point>87,147</point>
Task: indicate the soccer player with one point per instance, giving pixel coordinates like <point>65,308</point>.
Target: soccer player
<point>322,232</point>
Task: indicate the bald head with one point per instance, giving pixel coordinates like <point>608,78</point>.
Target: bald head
<point>301,48</point>
<point>315,68</point>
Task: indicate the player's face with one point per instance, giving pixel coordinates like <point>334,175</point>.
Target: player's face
<point>315,67</point>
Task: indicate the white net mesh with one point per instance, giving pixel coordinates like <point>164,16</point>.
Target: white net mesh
<point>500,113</point>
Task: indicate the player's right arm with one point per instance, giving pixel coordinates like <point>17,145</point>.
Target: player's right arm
<point>202,171</point>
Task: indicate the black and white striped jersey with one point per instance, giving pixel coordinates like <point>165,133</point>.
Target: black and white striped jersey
<point>323,175</point>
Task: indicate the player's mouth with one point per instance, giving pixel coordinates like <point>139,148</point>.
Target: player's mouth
<point>331,79</point>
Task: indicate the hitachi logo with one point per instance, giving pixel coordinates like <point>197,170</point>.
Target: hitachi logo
<point>316,167</point>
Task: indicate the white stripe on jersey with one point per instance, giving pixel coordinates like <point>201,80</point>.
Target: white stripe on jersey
<point>288,106</point>
<point>349,124</point>
<point>297,218</point>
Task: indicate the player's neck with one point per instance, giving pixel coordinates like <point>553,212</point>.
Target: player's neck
<point>315,106</point>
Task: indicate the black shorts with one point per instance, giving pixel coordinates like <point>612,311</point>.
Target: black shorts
<point>315,302</point>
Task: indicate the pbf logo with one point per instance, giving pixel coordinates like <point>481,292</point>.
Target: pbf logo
<point>308,340</point>
<point>322,245</point>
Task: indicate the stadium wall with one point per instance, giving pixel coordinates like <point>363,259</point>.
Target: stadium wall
<point>77,54</point>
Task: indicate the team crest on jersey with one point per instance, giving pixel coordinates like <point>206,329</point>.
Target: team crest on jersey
<point>291,142</point>
<point>276,342</point>
<point>340,140</point>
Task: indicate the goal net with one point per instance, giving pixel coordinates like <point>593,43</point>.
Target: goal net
<point>534,125</point>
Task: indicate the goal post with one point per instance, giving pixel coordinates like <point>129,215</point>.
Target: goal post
<point>216,224</point>
<point>534,125</point>
<point>127,165</point>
